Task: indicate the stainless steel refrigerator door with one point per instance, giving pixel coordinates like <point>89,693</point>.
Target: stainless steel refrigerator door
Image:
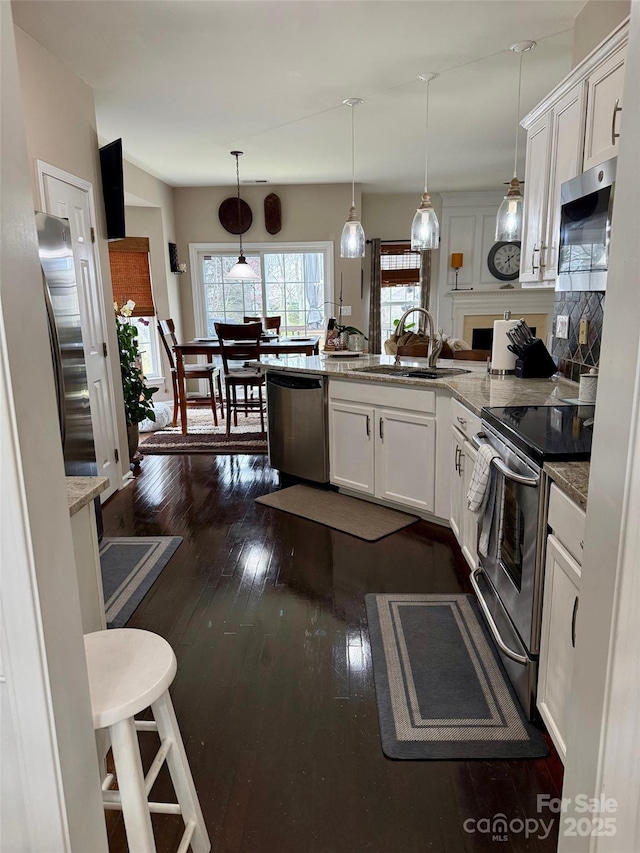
<point>61,297</point>
<point>298,434</point>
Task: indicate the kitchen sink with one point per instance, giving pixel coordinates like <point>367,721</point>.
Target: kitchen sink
<point>413,372</point>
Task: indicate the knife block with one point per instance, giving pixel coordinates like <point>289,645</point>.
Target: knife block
<point>535,362</point>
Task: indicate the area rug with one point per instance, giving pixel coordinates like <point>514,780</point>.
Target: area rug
<point>204,437</point>
<point>441,690</point>
<point>350,515</point>
<point>130,565</point>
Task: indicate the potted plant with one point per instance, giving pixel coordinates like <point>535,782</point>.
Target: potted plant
<point>138,404</point>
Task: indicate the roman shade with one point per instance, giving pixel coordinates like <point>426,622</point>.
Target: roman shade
<point>131,275</point>
<point>399,266</point>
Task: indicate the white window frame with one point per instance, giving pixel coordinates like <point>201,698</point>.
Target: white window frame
<point>196,250</point>
<point>154,347</point>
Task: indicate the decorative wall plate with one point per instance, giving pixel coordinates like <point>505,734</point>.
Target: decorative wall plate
<point>228,216</point>
<point>272,213</point>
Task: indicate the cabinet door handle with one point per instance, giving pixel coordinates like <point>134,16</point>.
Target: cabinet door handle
<point>460,468</point>
<point>461,421</point>
<point>381,430</point>
<point>573,623</point>
<point>534,268</point>
<point>616,109</point>
<point>368,426</point>
<point>543,258</point>
<point>457,454</point>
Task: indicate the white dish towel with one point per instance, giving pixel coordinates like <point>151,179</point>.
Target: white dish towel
<point>481,497</point>
<point>481,478</point>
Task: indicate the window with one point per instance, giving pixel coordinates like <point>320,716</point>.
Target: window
<point>400,284</point>
<point>294,285</point>
<point>148,346</point>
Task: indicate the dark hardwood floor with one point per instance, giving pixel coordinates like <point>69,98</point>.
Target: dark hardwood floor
<point>274,692</point>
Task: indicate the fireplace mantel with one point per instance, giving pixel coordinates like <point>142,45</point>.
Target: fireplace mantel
<point>517,300</point>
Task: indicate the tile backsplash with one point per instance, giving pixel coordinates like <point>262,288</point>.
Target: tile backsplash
<point>571,357</point>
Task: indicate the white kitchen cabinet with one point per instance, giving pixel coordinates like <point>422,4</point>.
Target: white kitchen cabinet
<point>536,191</point>
<point>469,519</point>
<point>464,523</point>
<point>565,162</point>
<point>604,110</point>
<point>557,642</point>
<point>572,129</point>
<point>560,611</point>
<point>351,446</point>
<point>405,458</point>
<point>382,442</point>
<point>456,518</point>
<point>383,452</point>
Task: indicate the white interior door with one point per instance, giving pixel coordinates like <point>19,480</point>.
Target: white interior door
<point>68,200</point>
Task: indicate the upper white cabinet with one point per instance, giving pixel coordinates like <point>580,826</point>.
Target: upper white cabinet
<point>604,110</point>
<point>576,127</point>
<point>536,192</point>
<point>565,159</point>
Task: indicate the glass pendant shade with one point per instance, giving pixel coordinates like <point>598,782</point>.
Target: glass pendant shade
<point>241,271</point>
<point>510,213</point>
<point>352,241</point>
<point>425,228</point>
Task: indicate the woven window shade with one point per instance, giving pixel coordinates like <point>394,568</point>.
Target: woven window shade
<point>399,266</point>
<point>130,274</point>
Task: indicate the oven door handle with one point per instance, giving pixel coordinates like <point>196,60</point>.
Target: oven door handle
<point>506,472</point>
<point>522,659</point>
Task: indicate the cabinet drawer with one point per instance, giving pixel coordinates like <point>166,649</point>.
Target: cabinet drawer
<point>411,398</point>
<point>464,419</point>
<point>568,522</point>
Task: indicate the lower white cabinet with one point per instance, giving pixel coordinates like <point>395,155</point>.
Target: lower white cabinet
<point>387,453</point>
<point>559,617</point>
<point>351,446</point>
<point>464,523</point>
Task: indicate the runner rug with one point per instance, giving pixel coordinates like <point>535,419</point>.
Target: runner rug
<point>441,690</point>
<point>204,437</point>
<point>130,565</point>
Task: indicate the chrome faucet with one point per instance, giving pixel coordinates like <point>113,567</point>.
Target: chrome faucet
<point>434,348</point>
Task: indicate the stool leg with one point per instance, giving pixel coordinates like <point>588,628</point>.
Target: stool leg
<point>178,764</point>
<point>135,810</point>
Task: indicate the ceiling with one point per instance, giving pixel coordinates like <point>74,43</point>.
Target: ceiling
<point>185,82</point>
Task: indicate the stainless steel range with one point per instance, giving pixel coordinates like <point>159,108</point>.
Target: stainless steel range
<point>509,580</point>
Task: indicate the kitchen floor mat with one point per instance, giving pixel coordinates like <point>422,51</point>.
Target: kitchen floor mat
<point>441,690</point>
<point>350,515</point>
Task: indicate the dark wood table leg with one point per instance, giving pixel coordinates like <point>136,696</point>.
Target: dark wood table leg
<point>182,393</point>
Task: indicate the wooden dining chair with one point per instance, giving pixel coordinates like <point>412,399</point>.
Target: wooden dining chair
<point>269,324</point>
<point>241,344</point>
<point>167,331</point>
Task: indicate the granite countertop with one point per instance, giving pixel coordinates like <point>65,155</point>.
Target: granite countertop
<point>572,478</point>
<point>82,490</point>
<point>474,389</point>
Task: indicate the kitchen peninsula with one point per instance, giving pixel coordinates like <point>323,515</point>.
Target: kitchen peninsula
<point>412,467</point>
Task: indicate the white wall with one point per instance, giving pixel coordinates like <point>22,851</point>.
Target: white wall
<point>594,23</point>
<point>60,124</point>
<point>46,688</point>
<point>309,213</point>
<point>603,736</point>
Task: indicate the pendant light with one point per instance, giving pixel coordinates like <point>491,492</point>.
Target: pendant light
<point>241,271</point>
<point>509,218</point>
<point>352,242</point>
<point>425,228</point>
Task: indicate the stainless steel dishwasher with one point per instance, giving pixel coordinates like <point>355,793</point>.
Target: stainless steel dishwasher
<point>298,429</point>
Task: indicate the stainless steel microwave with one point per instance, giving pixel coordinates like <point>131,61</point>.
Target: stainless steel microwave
<point>585,228</point>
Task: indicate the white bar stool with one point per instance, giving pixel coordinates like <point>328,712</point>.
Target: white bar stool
<point>130,670</point>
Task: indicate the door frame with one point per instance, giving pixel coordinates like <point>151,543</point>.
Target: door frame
<point>46,169</point>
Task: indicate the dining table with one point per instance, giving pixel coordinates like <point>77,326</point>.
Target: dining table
<point>210,347</point>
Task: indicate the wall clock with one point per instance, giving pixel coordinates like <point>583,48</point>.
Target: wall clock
<point>503,260</point>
